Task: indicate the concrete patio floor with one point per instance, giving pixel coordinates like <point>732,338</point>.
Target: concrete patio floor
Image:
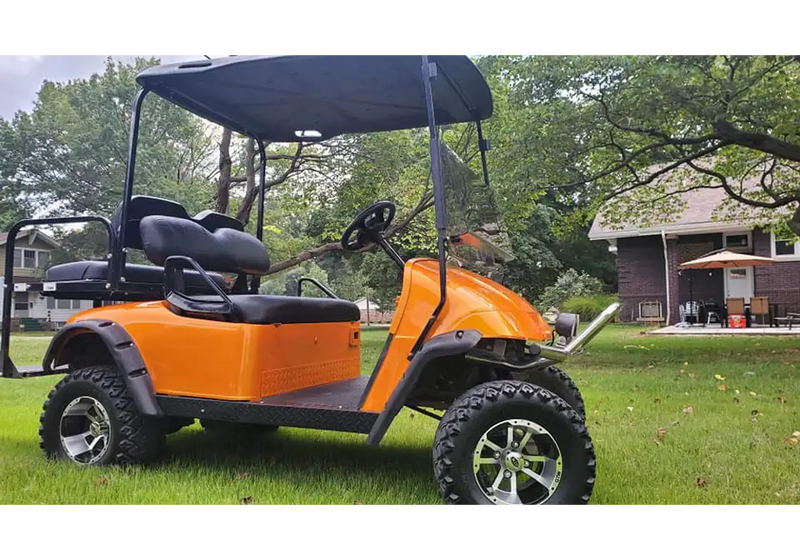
<point>716,330</point>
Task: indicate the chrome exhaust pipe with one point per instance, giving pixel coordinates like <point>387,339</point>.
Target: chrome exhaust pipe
<point>576,345</point>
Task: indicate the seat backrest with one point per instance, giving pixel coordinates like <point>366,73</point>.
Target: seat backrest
<point>759,305</point>
<point>224,250</point>
<point>735,306</point>
<point>140,206</point>
<point>213,221</point>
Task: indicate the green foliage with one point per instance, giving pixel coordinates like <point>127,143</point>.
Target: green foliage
<point>599,126</point>
<point>589,307</point>
<point>568,285</point>
<point>285,283</point>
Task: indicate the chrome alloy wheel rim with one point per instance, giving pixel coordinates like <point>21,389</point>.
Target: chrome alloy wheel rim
<point>85,430</point>
<point>517,462</point>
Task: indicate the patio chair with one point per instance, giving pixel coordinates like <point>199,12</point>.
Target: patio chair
<point>690,309</point>
<point>650,312</point>
<point>759,307</point>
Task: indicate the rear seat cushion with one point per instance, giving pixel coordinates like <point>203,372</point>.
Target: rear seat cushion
<point>138,273</point>
<point>267,310</point>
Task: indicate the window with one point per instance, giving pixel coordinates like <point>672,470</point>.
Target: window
<point>63,304</point>
<point>17,258</point>
<point>785,248</point>
<point>51,302</point>
<point>29,260</point>
<point>76,304</point>
<point>44,258</point>
<point>21,301</point>
<point>738,241</point>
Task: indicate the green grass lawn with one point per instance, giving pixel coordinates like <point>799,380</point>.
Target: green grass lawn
<point>665,428</point>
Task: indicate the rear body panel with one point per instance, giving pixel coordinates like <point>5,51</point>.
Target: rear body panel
<point>233,361</point>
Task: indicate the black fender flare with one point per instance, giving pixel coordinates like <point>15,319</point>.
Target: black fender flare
<point>447,344</point>
<point>124,352</point>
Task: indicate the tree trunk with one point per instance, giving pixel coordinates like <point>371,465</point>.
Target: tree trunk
<point>794,221</point>
<point>224,182</point>
<point>251,191</point>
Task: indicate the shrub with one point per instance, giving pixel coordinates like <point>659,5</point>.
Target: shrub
<point>570,284</point>
<point>589,307</point>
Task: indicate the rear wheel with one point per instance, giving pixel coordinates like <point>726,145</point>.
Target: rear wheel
<point>557,381</point>
<point>90,418</point>
<point>512,442</point>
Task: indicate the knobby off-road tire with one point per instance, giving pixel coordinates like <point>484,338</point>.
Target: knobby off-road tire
<point>464,428</point>
<point>557,381</point>
<point>130,437</point>
<point>236,429</point>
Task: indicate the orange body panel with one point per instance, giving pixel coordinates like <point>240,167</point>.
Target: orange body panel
<point>233,361</point>
<point>473,302</point>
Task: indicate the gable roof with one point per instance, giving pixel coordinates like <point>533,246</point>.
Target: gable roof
<point>39,234</point>
<point>697,217</point>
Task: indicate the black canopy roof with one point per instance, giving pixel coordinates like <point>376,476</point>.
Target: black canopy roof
<point>272,98</point>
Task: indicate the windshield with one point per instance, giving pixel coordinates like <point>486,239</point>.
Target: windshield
<point>473,218</point>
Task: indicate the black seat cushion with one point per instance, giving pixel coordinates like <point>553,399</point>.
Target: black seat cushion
<point>267,310</point>
<point>137,273</point>
<point>225,249</point>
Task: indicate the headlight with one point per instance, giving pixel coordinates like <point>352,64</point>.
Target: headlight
<point>567,325</point>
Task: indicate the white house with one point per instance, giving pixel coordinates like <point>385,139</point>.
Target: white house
<point>32,251</point>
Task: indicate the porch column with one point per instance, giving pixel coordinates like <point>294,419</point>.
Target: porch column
<point>672,263</point>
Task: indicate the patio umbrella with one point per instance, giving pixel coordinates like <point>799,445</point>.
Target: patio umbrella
<point>723,259</point>
<point>726,259</point>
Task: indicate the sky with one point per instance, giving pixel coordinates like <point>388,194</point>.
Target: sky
<point>22,76</point>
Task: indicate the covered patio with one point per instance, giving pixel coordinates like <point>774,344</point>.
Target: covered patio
<point>718,330</point>
<point>734,315</point>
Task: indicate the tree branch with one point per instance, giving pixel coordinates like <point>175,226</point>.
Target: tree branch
<point>756,141</point>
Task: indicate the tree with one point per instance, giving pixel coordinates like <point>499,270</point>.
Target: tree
<point>72,147</point>
<point>623,125</point>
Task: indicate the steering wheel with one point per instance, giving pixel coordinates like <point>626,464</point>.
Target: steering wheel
<point>368,226</point>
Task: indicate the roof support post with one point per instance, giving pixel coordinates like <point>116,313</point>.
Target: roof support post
<point>666,273</point>
<point>262,180</point>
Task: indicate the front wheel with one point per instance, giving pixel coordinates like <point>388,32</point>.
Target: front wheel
<point>512,442</point>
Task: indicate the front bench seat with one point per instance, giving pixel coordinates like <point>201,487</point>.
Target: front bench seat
<point>234,251</point>
<point>136,273</point>
<point>270,310</point>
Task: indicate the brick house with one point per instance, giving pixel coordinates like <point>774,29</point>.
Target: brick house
<point>648,260</point>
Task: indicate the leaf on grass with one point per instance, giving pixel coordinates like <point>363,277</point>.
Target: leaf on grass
<point>102,481</point>
<point>790,440</point>
<point>686,363</point>
<point>737,391</point>
<point>796,434</point>
<point>246,501</point>
<point>358,503</point>
<point>656,400</point>
<point>781,400</point>
<point>682,370</point>
<point>657,441</point>
<point>675,423</point>
<point>722,387</point>
<point>241,476</point>
<point>754,395</point>
<point>661,432</point>
<point>754,419</point>
<point>736,400</point>
<point>719,377</point>
<point>630,408</point>
<point>700,482</point>
<point>749,373</point>
<point>688,410</point>
<point>754,412</point>
<point>692,375</point>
